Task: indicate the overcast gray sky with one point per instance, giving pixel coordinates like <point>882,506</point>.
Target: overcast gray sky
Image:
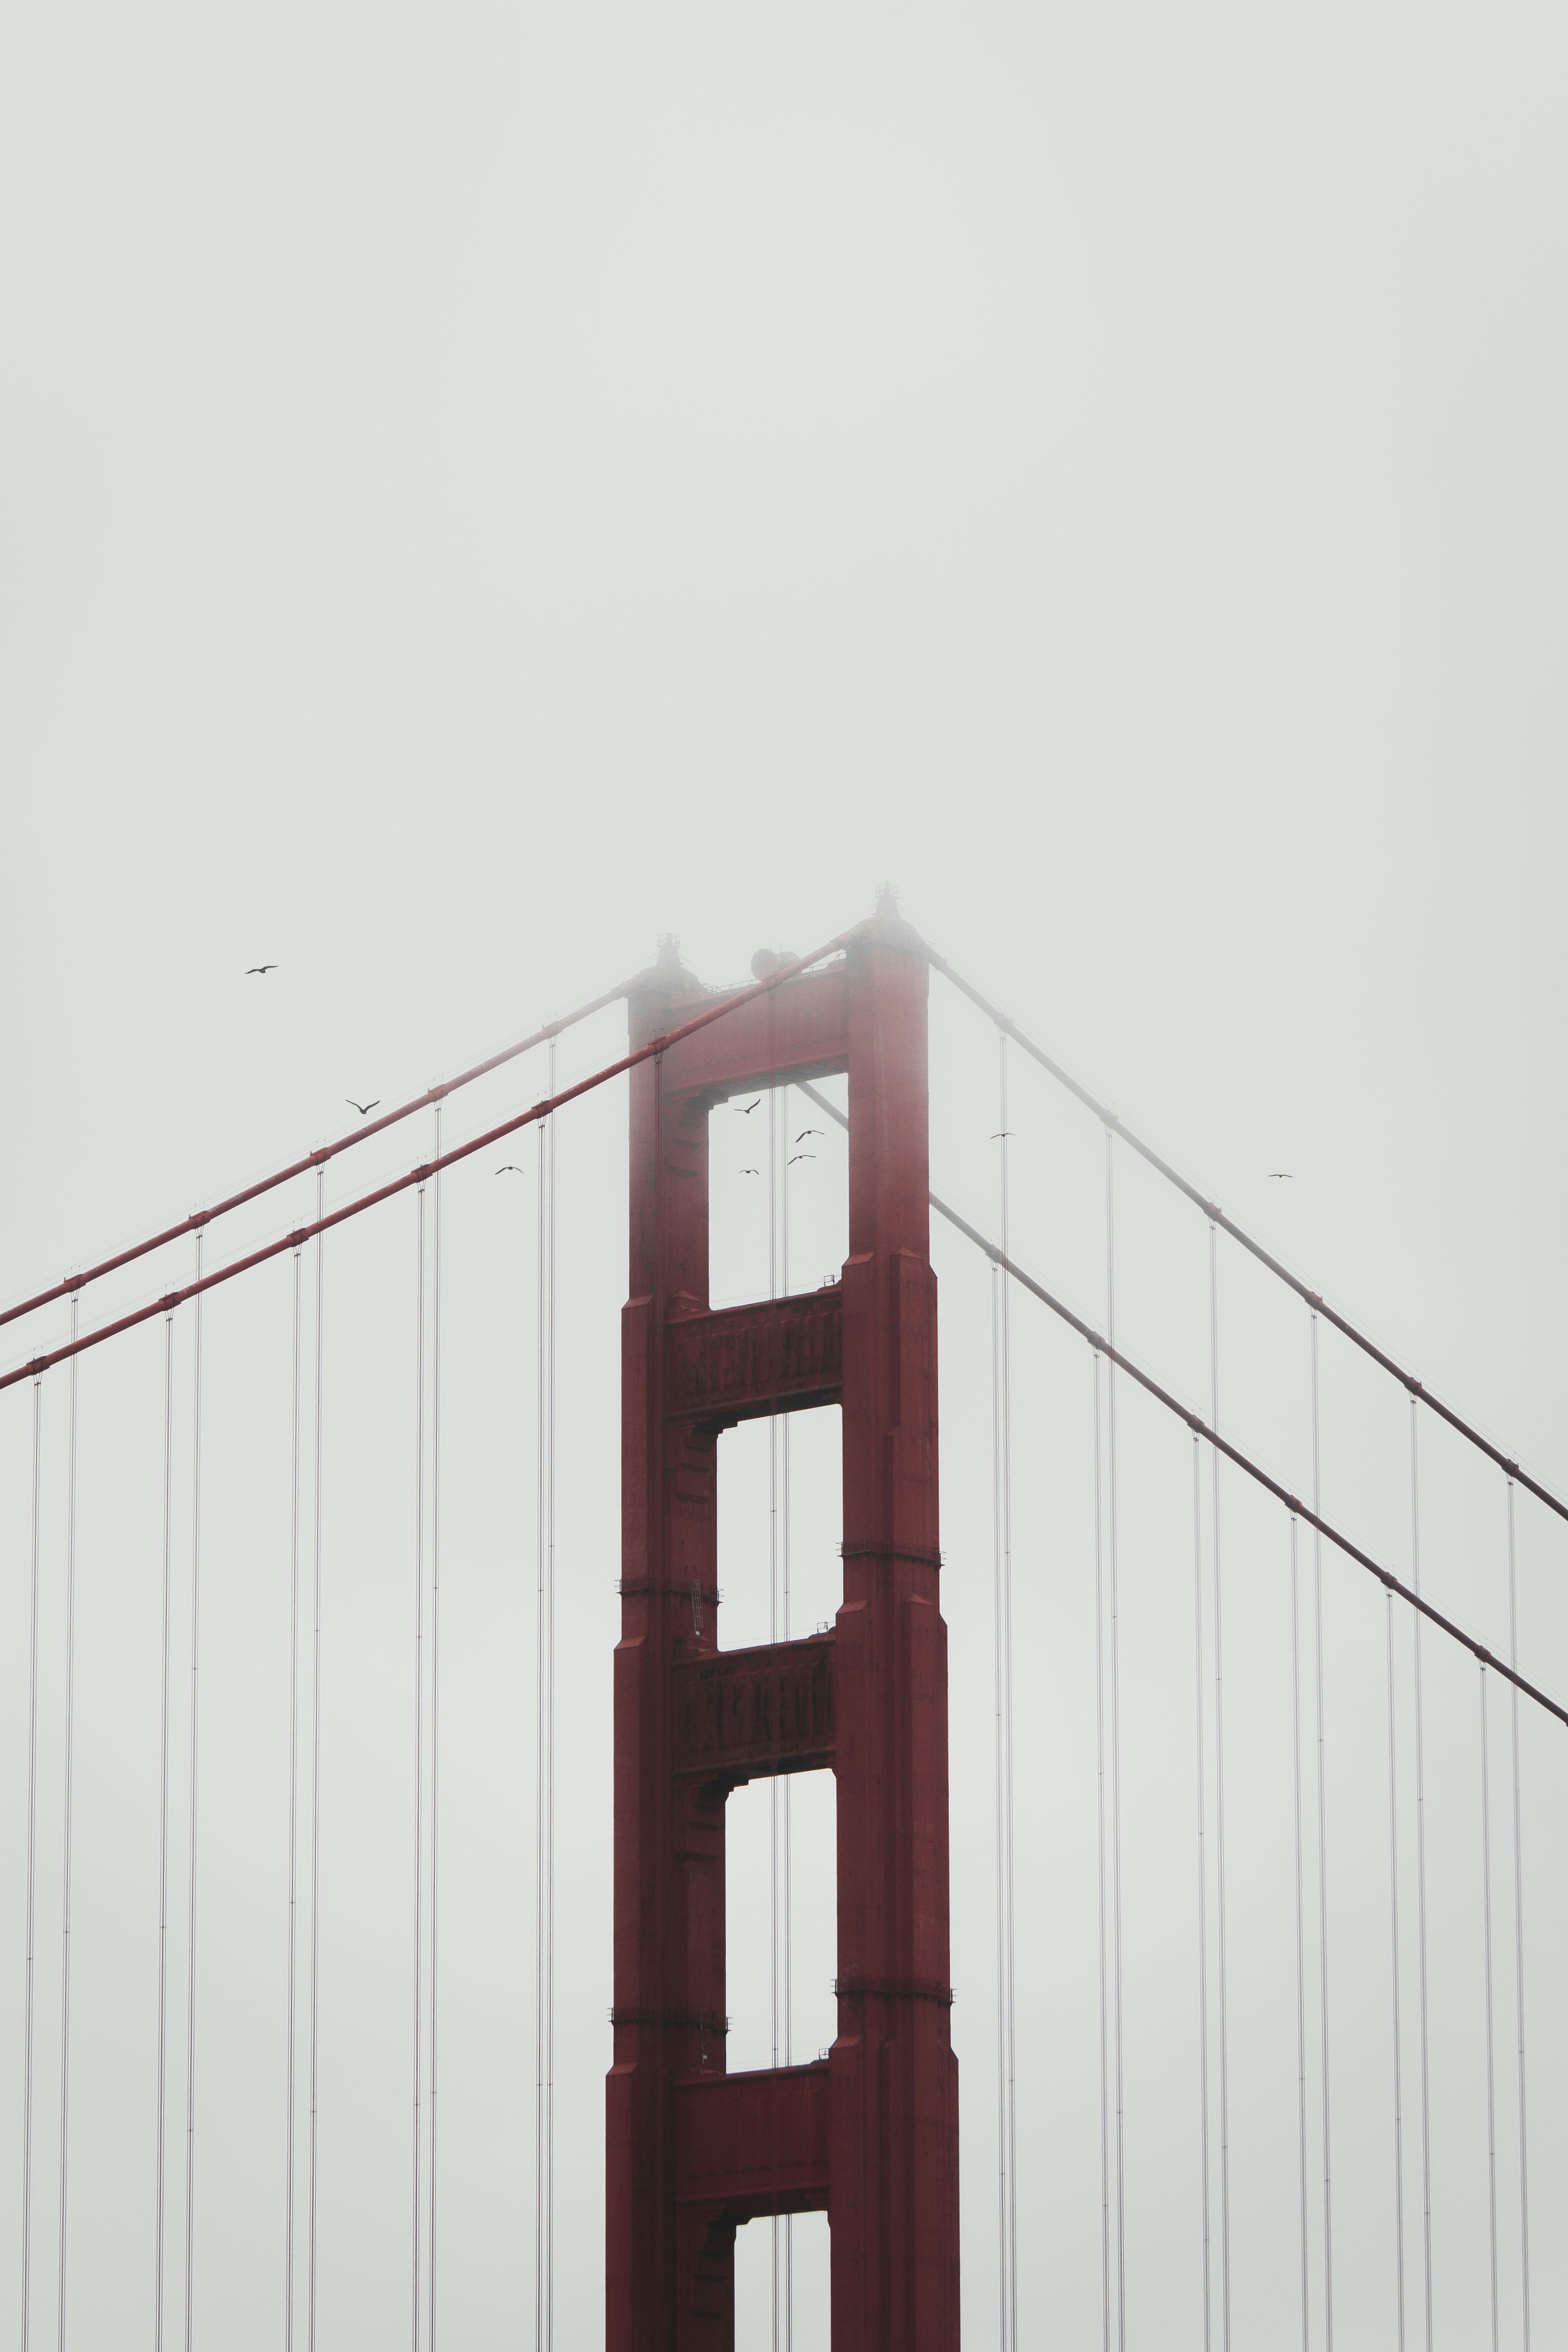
<point>485,488</point>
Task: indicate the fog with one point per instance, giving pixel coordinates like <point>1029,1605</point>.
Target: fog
<point>484,489</point>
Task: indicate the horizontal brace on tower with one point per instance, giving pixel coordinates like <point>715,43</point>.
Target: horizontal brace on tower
<point>745,1715</point>
<point>754,2144</point>
<point>738,1363</point>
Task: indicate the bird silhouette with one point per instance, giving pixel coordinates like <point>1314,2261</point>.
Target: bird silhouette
<point>259,968</point>
<point>805,1131</point>
<point>744,1111</point>
<point>1281,1176</point>
<point>800,1155</point>
<point>748,1172</point>
<point>511,1169</point>
<point>364,1110</point>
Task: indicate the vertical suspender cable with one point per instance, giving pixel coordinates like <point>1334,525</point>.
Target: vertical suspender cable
<point>1007,2070</point>
<point>293,1816</point>
<point>1000,1829</point>
<point>70,1747</point>
<point>660,1566</point>
<point>315,1759</point>
<point>1219,1804</point>
<point>1322,1854</point>
<point>434,1694</point>
<point>195,1751</point>
<point>541,2250</point>
<point>1012,2284</point>
<point>785,1937</point>
<point>1099,1846</point>
<point>1421,1881</point>
<point>1519,1937</point>
<point>418,1751</point>
<point>1486,1939</point>
<point>1300,1933</point>
<point>164,1824</point>
<point>1202,1871</point>
<point>550,1770</point>
<point>544,1758</point>
<point>1115,1726</point>
<point>776,2248</point>
<point>1393,1935</point>
<point>32,1872</point>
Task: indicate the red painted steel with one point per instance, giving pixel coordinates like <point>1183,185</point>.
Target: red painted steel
<point>691,2152</point>
<point>747,1715</point>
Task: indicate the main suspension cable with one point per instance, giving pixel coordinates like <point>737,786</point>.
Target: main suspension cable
<point>1222,1445</point>
<point>195,1752</point>
<point>1519,1937</point>
<point>293,1814</point>
<point>1421,1884</point>
<point>32,1874</point>
<point>535,1111</point>
<point>317,1159</point>
<point>1217,1216</point>
<point>316,1758</point>
<point>1323,1852</point>
<point>71,1750</point>
<point>1202,1871</point>
<point>164,1824</point>
<point>1486,1941</point>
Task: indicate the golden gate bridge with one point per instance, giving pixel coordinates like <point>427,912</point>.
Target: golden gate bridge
<point>1376,2185</point>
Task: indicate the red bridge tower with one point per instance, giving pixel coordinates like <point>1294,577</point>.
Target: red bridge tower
<point>870,2135</point>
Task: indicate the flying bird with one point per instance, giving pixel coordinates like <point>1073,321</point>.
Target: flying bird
<point>364,1110</point>
<point>511,1169</point>
<point>798,1155</point>
<point>744,1111</point>
<point>259,968</point>
<point>1281,1176</point>
<point>805,1131</point>
<point>748,1172</point>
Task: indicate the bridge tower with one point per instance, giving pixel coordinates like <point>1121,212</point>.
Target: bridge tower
<point>870,2133</point>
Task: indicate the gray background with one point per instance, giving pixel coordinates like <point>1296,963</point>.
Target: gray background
<point>483,487</point>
